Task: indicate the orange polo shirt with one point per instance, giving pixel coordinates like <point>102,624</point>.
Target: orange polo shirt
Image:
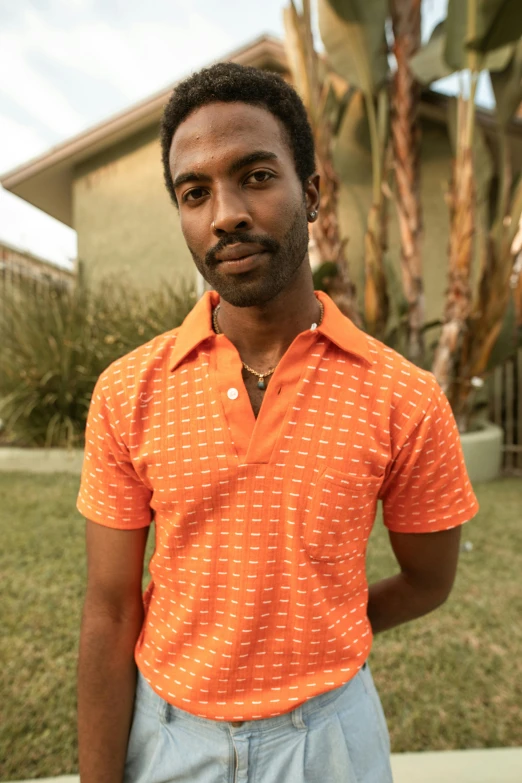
<point>258,594</point>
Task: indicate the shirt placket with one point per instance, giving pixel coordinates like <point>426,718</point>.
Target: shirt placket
<point>226,368</point>
<point>255,439</point>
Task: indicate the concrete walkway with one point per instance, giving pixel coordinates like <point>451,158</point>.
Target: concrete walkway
<point>490,765</point>
<point>41,460</point>
<point>495,765</point>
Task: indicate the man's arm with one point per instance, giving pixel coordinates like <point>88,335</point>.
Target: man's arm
<point>428,563</point>
<point>111,623</point>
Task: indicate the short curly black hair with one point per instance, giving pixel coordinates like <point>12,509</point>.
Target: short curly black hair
<point>230,82</point>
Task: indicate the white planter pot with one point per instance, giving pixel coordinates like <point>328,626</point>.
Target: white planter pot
<point>483,452</point>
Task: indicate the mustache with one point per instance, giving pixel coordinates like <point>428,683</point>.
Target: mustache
<point>267,243</point>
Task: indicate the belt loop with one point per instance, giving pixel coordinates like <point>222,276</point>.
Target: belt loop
<point>297,718</point>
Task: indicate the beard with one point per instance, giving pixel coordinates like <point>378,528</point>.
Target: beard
<point>260,285</point>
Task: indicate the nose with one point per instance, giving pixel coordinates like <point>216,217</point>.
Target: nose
<point>230,214</point>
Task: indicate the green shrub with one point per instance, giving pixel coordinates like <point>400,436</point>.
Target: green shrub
<point>55,342</point>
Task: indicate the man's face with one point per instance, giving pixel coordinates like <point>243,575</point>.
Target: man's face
<point>242,207</point>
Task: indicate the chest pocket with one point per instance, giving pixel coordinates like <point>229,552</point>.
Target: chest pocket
<point>339,516</point>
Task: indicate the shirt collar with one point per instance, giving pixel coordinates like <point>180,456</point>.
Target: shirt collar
<point>341,331</point>
<point>197,327</point>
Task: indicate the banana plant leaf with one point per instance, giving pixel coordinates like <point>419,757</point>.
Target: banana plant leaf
<point>336,105</point>
<point>499,23</point>
<point>507,86</point>
<point>457,53</point>
<point>353,35</point>
<point>333,92</point>
<point>428,64</point>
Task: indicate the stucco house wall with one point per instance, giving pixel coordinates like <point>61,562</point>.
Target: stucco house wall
<point>124,218</point>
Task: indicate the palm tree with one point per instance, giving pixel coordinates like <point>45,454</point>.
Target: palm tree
<point>325,96</point>
<point>405,134</point>
<point>477,35</point>
<point>353,35</point>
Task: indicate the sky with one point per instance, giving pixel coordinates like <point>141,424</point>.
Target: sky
<point>66,65</point>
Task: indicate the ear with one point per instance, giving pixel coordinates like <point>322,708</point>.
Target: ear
<point>312,196</point>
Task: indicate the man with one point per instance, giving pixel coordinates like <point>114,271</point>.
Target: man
<point>259,436</point>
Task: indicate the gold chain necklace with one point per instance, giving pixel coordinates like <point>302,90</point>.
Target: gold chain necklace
<point>261,375</point>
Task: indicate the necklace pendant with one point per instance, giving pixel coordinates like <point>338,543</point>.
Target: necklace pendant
<point>261,384</point>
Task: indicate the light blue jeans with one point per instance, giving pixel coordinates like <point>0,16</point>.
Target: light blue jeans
<point>337,737</point>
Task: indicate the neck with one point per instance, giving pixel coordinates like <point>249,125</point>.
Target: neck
<point>266,331</point>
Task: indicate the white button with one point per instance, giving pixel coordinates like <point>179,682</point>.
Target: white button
<point>232,394</point>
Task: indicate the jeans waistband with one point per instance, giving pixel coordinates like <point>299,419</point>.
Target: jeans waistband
<point>149,701</point>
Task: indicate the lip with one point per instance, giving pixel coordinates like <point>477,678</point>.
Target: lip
<point>243,264</point>
<point>238,252</point>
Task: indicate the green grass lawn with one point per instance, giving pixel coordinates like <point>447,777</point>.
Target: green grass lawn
<point>450,680</point>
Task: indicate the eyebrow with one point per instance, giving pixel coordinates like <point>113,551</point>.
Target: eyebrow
<point>246,160</point>
<point>253,157</point>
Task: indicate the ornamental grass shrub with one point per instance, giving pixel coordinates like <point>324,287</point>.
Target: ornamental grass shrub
<point>55,341</point>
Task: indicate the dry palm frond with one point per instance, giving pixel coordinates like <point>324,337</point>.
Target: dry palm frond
<point>405,133</point>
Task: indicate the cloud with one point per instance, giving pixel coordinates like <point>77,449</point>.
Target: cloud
<point>18,143</point>
<point>137,60</point>
<point>25,86</point>
<point>133,57</point>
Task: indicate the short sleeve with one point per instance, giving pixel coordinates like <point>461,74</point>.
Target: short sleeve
<point>111,492</point>
<point>428,488</point>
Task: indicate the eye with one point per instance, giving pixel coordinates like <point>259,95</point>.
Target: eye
<point>195,194</point>
<point>260,176</point>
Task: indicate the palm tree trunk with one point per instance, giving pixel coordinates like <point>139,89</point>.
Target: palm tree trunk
<point>376,300</point>
<point>405,133</point>
<point>326,230</point>
<point>449,356</point>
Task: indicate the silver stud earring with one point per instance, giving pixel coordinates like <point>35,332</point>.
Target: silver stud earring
<point>312,215</point>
